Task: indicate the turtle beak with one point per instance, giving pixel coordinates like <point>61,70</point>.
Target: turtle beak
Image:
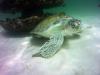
<point>78,26</point>
<point>79,30</point>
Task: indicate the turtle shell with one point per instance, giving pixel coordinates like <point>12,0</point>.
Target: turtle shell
<point>44,25</point>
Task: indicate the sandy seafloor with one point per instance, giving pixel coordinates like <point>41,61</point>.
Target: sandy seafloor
<point>80,56</point>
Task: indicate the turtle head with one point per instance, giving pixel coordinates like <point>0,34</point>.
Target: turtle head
<point>75,25</point>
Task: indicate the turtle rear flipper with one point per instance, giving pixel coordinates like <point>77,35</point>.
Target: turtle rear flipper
<point>51,47</point>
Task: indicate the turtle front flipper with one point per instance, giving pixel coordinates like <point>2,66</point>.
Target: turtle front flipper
<point>51,47</point>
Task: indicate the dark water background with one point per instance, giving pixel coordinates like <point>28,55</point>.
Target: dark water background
<point>71,7</point>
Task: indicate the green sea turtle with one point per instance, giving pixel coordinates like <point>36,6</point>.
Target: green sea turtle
<point>55,27</point>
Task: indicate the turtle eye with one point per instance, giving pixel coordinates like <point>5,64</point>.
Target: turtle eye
<point>74,23</point>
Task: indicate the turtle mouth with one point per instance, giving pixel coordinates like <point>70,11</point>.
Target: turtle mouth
<point>77,30</point>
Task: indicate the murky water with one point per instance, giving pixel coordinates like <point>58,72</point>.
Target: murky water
<point>79,56</point>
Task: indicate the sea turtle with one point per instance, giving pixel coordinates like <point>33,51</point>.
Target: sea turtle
<point>55,27</point>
